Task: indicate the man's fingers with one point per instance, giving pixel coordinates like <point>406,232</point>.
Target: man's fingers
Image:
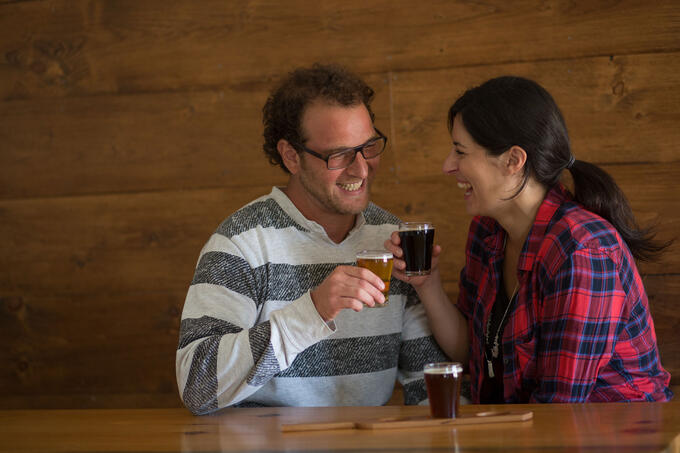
<point>364,275</point>
<point>367,293</point>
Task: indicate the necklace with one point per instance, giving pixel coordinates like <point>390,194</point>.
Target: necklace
<point>494,348</point>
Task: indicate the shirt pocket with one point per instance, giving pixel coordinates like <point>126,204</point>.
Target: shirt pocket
<point>525,355</point>
<point>525,377</point>
<point>523,344</point>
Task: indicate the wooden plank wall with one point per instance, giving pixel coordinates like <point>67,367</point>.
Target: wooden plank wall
<point>129,130</point>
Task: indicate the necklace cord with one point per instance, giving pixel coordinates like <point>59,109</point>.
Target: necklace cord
<point>494,348</point>
<point>498,330</point>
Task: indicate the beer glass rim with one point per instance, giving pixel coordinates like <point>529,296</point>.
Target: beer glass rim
<point>374,254</point>
<point>455,368</point>
<point>416,226</point>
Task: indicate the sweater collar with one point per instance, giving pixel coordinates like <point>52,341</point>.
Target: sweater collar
<point>289,208</point>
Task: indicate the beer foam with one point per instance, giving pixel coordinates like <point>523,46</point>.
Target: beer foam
<point>455,369</point>
<point>440,371</point>
<point>374,254</point>
<point>416,226</point>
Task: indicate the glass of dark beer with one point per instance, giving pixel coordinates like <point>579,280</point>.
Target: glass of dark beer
<point>380,263</point>
<point>443,388</point>
<point>417,239</point>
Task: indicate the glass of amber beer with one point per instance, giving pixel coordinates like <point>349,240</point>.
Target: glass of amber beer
<point>380,263</point>
<point>442,380</point>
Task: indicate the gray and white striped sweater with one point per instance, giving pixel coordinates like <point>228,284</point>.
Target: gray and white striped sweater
<point>251,336</point>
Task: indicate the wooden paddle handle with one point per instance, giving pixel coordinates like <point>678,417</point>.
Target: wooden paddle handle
<point>414,422</point>
<point>317,426</point>
<point>474,419</point>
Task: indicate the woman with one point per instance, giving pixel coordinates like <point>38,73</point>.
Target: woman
<point>551,305</point>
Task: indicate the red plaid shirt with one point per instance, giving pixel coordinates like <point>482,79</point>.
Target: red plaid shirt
<point>580,329</point>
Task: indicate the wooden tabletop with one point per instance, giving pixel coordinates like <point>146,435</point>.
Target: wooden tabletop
<point>637,427</point>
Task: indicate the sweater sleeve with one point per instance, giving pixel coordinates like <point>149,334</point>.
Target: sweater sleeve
<point>226,352</point>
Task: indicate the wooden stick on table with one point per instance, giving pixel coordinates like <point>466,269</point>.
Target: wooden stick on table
<point>414,422</point>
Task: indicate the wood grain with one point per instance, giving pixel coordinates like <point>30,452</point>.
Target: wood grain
<point>662,292</point>
<point>145,142</point>
<point>618,110</point>
<point>129,130</point>
<point>132,242</point>
<point>82,350</point>
<point>67,48</point>
<point>118,242</point>
<point>640,427</point>
<point>420,421</point>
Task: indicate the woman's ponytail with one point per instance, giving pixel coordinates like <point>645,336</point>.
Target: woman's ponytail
<point>597,191</point>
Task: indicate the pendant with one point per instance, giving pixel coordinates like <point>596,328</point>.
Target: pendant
<point>490,366</point>
<point>494,351</point>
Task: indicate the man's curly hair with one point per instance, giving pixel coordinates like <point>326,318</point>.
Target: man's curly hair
<point>282,113</point>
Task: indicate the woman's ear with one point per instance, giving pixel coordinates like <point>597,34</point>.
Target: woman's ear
<point>515,159</point>
<point>290,157</point>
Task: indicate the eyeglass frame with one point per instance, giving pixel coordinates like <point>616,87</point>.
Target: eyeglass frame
<point>356,149</point>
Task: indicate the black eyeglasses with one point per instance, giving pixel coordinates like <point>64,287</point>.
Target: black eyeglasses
<point>344,157</point>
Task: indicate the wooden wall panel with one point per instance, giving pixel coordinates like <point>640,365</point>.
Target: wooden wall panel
<point>663,299</point>
<point>128,343</point>
<point>121,242</point>
<point>109,144</point>
<point>112,349</point>
<point>129,130</point>
<point>617,110</point>
<point>143,142</point>
<point>60,48</point>
<point>150,241</point>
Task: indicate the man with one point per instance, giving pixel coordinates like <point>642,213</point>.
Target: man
<point>277,314</point>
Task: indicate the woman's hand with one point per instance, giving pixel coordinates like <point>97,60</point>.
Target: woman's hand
<point>393,244</point>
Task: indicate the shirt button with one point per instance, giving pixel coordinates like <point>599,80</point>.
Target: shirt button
<point>506,361</point>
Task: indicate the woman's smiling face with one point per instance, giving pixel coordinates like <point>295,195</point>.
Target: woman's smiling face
<point>480,174</point>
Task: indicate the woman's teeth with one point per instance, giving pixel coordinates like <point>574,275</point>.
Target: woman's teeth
<point>351,187</point>
<point>464,185</point>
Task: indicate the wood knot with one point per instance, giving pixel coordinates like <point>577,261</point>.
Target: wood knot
<point>13,303</point>
<point>152,238</point>
<point>22,366</point>
<point>617,89</point>
<point>38,67</point>
<point>174,311</point>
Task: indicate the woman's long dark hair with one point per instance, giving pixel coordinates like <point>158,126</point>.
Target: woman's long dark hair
<point>508,111</point>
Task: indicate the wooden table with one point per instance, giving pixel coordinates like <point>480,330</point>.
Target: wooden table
<point>637,427</point>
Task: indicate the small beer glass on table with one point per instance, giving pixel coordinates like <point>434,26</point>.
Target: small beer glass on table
<point>443,388</point>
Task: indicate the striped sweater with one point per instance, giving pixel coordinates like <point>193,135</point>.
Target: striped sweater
<point>251,336</point>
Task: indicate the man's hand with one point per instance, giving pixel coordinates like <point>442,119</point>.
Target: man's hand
<point>347,287</point>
